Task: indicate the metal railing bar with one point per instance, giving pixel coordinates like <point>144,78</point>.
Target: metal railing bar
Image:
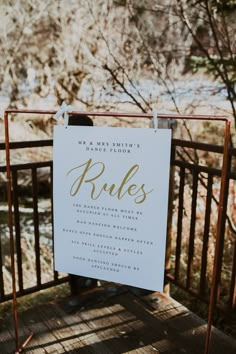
<point>36,288</point>
<point>198,146</point>
<point>203,169</point>
<point>179,222</point>
<point>202,146</point>
<point>176,142</point>
<point>198,168</point>
<point>36,225</point>
<point>222,229</point>
<point>27,166</point>
<point>55,274</point>
<point>222,308</point>
<point>190,291</point>
<point>206,235</point>
<point>192,229</point>
<point>27,144</point>
<point>17,228</point>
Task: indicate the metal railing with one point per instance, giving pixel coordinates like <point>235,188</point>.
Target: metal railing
<point>34,269</point>
<point>194,227</point>
<point>195,199</point>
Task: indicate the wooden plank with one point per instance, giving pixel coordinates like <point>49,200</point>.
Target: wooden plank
<point>176,328</point>
<point>139,335</point>
<point>113,330</point>
<point>142,328</point>
<point>43,337</point>
<point>124,323</point>
<point>188,329</point>
<point>7,334</point>
<point>7,342</point>
<point>80,334</point>
<point>109,327</point>
<point>162,339</point>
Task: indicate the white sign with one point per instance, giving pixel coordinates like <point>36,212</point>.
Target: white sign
<point>110,203</point>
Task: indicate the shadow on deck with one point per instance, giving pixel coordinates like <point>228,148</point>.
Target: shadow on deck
<point>113,320</point>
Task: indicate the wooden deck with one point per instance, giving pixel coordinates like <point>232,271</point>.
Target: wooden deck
<point>112,320</point>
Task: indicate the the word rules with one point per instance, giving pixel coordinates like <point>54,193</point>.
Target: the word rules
<point>89,173</point>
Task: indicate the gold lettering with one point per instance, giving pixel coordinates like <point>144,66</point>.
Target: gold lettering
<point>142,197</point>
<point>132,171</point>
<point>81,179</point>
<point>90,174</point>
<point>106,188</point>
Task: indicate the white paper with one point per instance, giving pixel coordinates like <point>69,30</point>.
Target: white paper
<point>110,203</point>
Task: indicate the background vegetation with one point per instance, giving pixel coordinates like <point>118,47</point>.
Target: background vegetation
<point>119,55</point>
<point>122,55</point>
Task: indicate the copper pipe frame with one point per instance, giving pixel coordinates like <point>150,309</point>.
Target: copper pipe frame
<point>19,347</point>
<point>10,224</point>
<point>219,237</point>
